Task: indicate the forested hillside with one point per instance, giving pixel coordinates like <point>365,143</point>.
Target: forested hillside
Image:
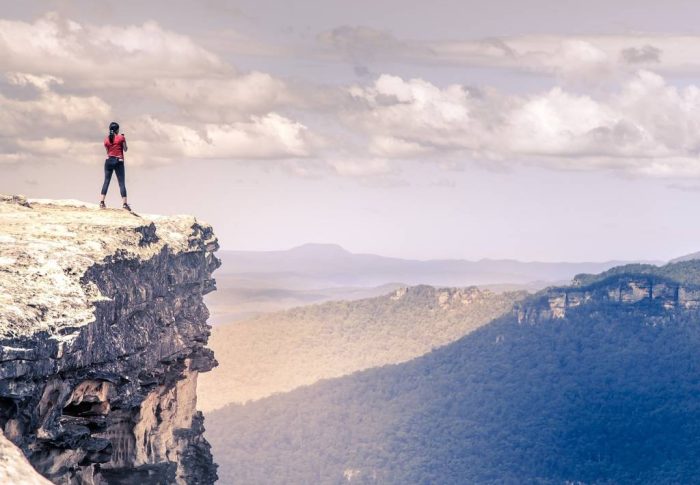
<point>606,392</point>
<point>278,352</point>
<point>682,271</point>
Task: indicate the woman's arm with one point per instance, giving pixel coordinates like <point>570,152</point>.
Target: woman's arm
<point>125,147</point>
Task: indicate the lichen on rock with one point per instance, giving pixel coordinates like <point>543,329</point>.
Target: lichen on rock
<point>102,335</point>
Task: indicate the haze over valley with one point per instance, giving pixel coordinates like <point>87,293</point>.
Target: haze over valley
<point>254,282</point>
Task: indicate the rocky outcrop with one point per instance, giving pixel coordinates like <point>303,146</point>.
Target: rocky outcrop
<point>624,289</point>
<point>102,335</point>
<point>14,467</point>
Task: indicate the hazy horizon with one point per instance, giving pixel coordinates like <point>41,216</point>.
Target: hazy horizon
<point>390,256</point>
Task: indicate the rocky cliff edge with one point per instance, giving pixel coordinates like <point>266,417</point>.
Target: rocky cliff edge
<point>102,334</point>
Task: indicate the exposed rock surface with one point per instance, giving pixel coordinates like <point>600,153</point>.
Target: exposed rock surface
<point>624,289</point>
<point>102,335</point>
<point>14,467</point>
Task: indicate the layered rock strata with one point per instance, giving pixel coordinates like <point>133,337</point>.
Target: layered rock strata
<point>102,335</point>
<point>624,289</point>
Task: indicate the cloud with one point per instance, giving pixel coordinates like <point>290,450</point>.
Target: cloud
<point>390,146</point>
<point>224,99</point>
<point>177,100</point>
<point>263,137</point>
<point>414,117</point>
<point>640,55</point>
<point>566,56</point>
<point>57,126</point>
<point>66,80</point>
<point>646,127</point>
<point>570,58</point>
<point>42,83</point>
<point>101,55</point>
<point>144,61</point>
<point>361,43</point>
<point>47,111</point>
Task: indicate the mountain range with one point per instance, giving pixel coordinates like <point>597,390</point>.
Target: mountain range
<point>329,265</point>
<point>253,282</point>
<point>597,382</point>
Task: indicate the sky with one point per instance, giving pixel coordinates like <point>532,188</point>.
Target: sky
<point>538,130</point>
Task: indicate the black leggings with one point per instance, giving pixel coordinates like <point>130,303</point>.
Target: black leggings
<point>113,164</point>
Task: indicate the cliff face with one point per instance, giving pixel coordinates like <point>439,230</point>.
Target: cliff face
<point>102,336</point>
<point>625,289</point>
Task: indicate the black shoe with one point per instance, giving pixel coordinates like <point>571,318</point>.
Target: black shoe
<point>102,204</point>
<point>126,206</point>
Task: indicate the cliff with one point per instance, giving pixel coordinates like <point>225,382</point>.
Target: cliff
<point>622,288</point>
<point>102,335</point>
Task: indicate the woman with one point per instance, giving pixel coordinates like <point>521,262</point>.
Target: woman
<point>115,144</point>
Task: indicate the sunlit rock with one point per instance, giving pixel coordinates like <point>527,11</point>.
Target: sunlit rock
<point>102,335</point>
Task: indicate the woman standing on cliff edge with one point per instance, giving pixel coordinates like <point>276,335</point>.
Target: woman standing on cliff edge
<point>115,144</point>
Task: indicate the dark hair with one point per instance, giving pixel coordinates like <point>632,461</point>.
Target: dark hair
<point>113,129</point>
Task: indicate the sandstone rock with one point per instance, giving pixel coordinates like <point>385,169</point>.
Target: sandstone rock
<point>14,467</point>
<point>625,289</point>
<point>102,336</point>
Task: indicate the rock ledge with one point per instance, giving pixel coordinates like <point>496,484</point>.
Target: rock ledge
<point>102,335</point>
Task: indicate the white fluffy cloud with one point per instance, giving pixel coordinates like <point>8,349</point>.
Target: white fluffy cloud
<point>412,116</point>
<point>64,81</point>
<point>44,124</point>
<point>139,62</point>
<point>647,126</point>
<point>47,112</point>
<point>55,126</point>
<point>101,55</point>
<point>262,137</point>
